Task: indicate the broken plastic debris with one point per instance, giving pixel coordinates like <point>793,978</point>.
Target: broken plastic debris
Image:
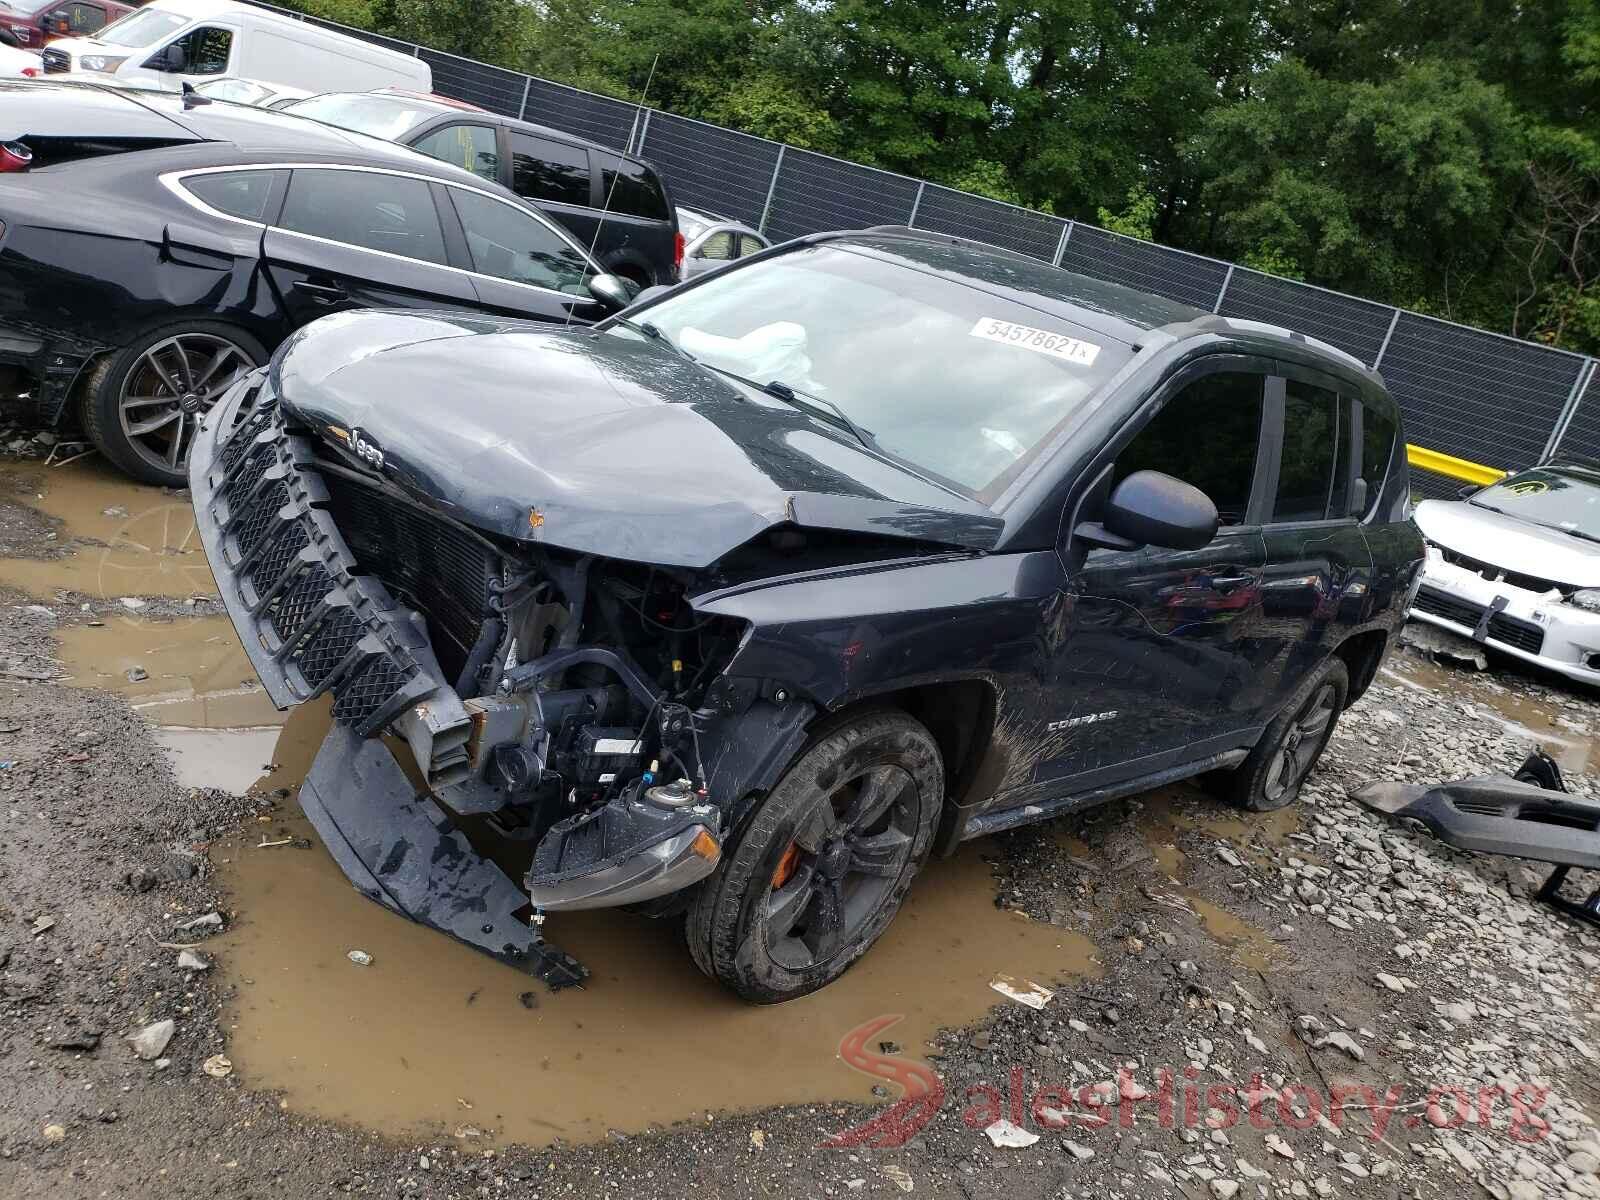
<point>1007,1136</point>
<point>360,957</point>
<point>217,1066</point>
<point>152,1040</point>
<point>758,1138</point>
<point>1022,991</point>
<point>211,920</point>
<point>899,1176</point>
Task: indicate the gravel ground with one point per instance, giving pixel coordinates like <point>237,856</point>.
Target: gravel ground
<point>1339,951</point>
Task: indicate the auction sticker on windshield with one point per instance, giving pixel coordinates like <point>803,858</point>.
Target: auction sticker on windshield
<point>1040,340</point>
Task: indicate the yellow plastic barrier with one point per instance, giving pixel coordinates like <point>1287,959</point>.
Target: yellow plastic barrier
<point>1457,468</point>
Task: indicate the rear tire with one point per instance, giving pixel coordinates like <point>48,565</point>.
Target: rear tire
<point>824,862</point>
<point>142,404</point>
<point>1291,746</point>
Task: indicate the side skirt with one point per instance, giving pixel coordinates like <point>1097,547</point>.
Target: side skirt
<point>1010,818</point>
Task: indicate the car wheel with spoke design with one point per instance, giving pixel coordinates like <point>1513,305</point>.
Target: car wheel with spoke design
<point>824,861</point>
<point>143,404</point>
<point>1289,748</point>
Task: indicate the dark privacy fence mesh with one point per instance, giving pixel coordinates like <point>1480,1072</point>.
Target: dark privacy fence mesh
<point>1468,393</point>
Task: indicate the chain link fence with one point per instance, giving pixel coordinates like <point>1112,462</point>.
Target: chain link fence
<point>1476,395</point>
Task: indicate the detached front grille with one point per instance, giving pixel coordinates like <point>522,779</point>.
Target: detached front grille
<point>314,600</point>
<point>1509,631</point>
<point>55,61</point>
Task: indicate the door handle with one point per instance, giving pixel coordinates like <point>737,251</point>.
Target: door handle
<point>1230,583</point>
<point>322,293</point>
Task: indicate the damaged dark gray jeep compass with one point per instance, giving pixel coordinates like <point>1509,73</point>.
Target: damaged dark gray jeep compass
<point>740,605</point>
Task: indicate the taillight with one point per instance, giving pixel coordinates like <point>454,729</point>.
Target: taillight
<point>677,249</point>
<point>30,72</point>
<point>14,156</point>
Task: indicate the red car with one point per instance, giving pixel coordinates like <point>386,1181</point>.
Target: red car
<point>30,24</point>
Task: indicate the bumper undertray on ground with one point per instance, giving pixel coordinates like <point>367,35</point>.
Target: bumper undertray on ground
<point>1529,815</point>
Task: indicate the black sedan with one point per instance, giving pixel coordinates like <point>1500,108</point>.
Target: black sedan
<point>155,248</point>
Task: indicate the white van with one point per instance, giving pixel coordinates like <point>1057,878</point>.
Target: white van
<point>168,43</point>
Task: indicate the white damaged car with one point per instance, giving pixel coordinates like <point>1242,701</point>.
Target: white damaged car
<point>1516,567</point>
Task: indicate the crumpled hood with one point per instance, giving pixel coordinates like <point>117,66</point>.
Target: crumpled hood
<point>603,444</point>
<point>1520,547</point>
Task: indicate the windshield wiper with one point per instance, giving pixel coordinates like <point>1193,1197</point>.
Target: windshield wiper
<point>1489,507</point>
<point>816,406</point>
<point>646,329</point>
<point>1577,533</point>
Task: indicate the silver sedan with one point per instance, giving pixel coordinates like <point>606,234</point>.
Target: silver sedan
<point>1516,567</point>
<point>711,241</point>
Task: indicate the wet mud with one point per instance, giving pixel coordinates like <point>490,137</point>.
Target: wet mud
<point>114,537</point>
<point>1570,741</point>
<point>435,1034</point>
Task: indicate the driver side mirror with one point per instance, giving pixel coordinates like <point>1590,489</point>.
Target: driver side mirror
<point>1149,508</point>
<point>612,291</point>
<point>174,59</point>
<point>1470,489</point>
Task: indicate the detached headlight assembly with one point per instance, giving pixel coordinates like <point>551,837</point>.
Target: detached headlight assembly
<point>1587,599</point>
<point>100,62</point>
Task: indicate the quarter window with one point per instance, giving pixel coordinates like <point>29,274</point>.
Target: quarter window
<point>240,194</point>
<point>1206,436</point>
<point>750,244</point>
<point>543,169</point>
<point>471,146</point>
<point>378,212</point>
<point>510,244</point>
<point>1310,437</point>
<point>632,188</point>
<point>1377,444</point>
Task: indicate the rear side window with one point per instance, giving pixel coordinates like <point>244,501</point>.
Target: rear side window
<point>510,244</point>
<point>1310,441</point>
<point>632,188</point>
<point>1206,436</point>
<point>378,212</point>
<point>471,146</point>
<point>717,246</point>
<point>543,169</point>
<point>750,244</point>
<point>240,194</point>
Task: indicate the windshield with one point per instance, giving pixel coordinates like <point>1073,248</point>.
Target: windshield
<point>1560,497</point>
<point>141,28</point>
<point>949,378</point>
<point>387,117</point>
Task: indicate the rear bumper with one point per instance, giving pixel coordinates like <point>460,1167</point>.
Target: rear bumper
<point>1525,625</point>
<point>49,362</point>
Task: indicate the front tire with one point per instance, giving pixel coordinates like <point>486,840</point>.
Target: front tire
<point>142,405</point>
<point>824,862</point>
<point>1290,747</point>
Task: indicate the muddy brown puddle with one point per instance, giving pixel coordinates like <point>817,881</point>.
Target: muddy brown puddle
<point>121,538</point>
<point>436,1034</point>
<point>1571,743</point>
<point>1173,811</point>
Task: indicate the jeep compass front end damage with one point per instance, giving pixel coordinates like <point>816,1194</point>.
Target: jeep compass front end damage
<point>519,611</point>
<point>745,602</point>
